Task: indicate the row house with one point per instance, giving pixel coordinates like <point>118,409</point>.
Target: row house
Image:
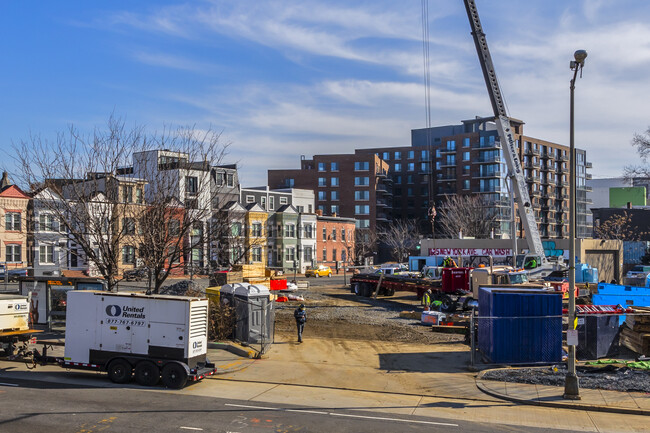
<point>13,235</point>
<point>335,240</point>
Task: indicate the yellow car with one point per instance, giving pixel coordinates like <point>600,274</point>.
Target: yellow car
<point>319,271</point>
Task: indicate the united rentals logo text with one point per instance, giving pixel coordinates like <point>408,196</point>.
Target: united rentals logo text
<point>125,312</point>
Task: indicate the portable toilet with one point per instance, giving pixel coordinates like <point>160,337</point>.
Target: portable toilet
<point>254,311</point>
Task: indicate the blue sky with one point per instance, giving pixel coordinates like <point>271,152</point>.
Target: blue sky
<point>285,78</point>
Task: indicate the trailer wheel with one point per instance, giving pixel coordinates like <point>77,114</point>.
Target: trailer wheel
<point>448,304</point>
<point>390,292</point>
<point>174,375</point>
<point>119,371</point>
<point>147,373</point>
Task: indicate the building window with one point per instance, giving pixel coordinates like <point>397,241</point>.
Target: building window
<point>361,166</point>
<point>466,184</point>
<point>14,254</point>
<point>290,182</point>
<point>333,255</point>
<point>230,179</point>
<point>191,185</point>
<point>342,235</point>
<point>409,192</point>
<point>424,167</point>
<point>257,230</point>
<point>310,208</point>
<point>324,233</point>
<point>256,254</point>
<point>466,142</point>
<point>46,222</point>
<point>263,204</point>
<point>289,231</point>
<point>219,179</point>
<point>139,196</point>
<point>361,181</point>
<point>362,224</point>
<point>334,181</point>
<point>12,221</point>
<point>465,169</point>
<point>235,229</point>
<point>424,155</point>
<point>411,166</point>
<point>386,156</point>
<point>324,254</point>
<point>465,156</point>
<point>334,209</point>
<point>398,155</point>
<point>127,194</point>
<point>308,254</point>
<point>334,195</point>
<point>128,255</point>
<point>290,254</point>
<point>321,166</point>
<point>46,254</point>
<point>397,178</point>
<point>334,233</point>
<point>271,202</point>
<point>322,181</point>
<point>334,166</point>
<point>411,154</point>
<point>128,226</point>
<point>451,145</point>
<point>322,195</point>
<point>309,231</point>
<point>284,200</point>
<point>362,209</point>
<point>397,167</point>
<point>409,179</point>
<point>362,195</point>
<point>250,199</point>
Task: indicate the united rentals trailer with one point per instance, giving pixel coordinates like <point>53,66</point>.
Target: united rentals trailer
<point>149,337</point>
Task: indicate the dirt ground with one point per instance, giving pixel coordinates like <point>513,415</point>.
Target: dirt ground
<point>335,312</point>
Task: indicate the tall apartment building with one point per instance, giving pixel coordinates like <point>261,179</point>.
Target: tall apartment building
<point>352,186</point>
<point>468,159</point>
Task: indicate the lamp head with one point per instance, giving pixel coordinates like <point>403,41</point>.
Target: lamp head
<point>580,56</point>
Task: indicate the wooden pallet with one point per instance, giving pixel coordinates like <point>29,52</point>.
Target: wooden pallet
<point>636,341</point>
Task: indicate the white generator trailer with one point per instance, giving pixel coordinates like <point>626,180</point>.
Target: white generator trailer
<point>14,324</point>
<point>149,337</point>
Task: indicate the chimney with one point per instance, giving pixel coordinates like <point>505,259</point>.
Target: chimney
<point>319,212</point>
<point>4,182</point>
<point>334,214</point>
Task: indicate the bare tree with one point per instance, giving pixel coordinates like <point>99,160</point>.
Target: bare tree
<point>120,192</point>
<point>618,227</point>
<point>365,245</point>
<point>469,214</point>
<point>401,236</point>
<point>642,144</point>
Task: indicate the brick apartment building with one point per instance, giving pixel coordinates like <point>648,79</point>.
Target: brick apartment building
<point>352,186</point>
<point>468,159</point>
<point>335,240</point>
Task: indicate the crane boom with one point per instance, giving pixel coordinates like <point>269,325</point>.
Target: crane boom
<point>504,128</point>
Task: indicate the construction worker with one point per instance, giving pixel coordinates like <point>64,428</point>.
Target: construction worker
<point>449,263</point>
<point>426,300</point>
<point>531,263</point>
<point>301,317</point>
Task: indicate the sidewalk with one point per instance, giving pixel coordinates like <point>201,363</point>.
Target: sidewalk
<point>635,403</point>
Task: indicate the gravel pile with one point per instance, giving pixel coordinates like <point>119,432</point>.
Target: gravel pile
<point>179,288</point>
<point>608,378</point>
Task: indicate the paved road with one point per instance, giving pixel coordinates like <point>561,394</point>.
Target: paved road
<point>29,406</point>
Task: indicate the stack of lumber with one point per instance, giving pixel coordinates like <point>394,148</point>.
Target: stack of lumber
<point>257,270</point>
<point>636,332</point>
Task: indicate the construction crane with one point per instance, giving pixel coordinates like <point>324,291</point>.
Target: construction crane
<point>506,136</point>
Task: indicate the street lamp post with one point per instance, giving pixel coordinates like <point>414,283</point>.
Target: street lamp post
<point>571,388</point>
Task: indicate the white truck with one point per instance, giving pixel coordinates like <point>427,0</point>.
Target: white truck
<point>150,337</point>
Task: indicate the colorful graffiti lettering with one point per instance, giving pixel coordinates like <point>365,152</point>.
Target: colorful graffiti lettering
<point>550,250</point>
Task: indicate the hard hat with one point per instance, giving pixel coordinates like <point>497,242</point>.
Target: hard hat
<point>302,306</point>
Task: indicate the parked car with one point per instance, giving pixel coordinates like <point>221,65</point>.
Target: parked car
<point>13,274</point>
<point>318,271</point>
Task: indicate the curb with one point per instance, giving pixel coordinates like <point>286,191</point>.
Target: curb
<point>575,406</point>
<point>232,348</point>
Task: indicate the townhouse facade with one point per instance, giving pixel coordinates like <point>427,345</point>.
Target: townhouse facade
<point>13,235</point>
<point>335,240</point>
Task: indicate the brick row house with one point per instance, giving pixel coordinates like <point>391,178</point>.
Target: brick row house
<point>13,235</point>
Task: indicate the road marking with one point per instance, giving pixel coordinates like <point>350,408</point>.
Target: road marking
<point>344,414</point>
<point>191,428</point>
<point>394,419</point>
<point>9,384</point>
<point>307,411</point>
<point>251,407</point>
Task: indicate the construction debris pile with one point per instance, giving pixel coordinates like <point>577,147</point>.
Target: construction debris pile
<point>613,377</point>
<point>635,335</point>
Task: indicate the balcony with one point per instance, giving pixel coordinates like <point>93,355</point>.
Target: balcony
<point>384,190</point>
<point>381,173</point>
<point>588,176</point>
<point>381,216</point>
<point>547,155</point>
<point>532,179</point>
<point>488,190</point>
<point>446,191</point>
<point>531,164</point>
<point>447,151</point>
<point>586,188</point>
<point>446,178</point>
<point>536,193</point>
<point>589,165</point>
<point>487,160</point>
<point>531,152</point>
<point>382,203</point>
<point>563,158</point>
<point>479,175</point>
<point>485,146</point>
